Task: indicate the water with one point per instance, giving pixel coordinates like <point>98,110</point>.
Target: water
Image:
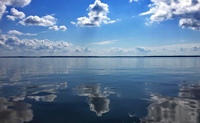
<point>100,90</point>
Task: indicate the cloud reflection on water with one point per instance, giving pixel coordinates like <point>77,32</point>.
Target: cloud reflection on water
<point>189,90</point>
<point>47,98</point>
<point>19,113</point>
<point>182,109</point>
<point>34,80</point>
<point>172,110</point>
<point>46,93</point>
<point>49,90</point>
<point>97,97</point>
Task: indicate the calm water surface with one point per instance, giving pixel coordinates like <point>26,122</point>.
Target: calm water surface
<point>100,90</point>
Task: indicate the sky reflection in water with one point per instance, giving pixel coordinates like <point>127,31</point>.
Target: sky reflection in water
<point>96,90</point>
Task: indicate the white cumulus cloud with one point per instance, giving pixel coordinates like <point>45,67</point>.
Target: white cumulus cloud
<point>143,49</point>
<point>55,28</point>
<point>39,21</point>
<point>10,17</point>
<point>14,3</point>
<point>116,50</point>
<point>96,16</point>
<point>188,11</point>
<point>130,1</point>
<point>15,15</point>
<point>83,49</point>
<point>72,22</point>
<point>12,43</point>
<point>63,28</point>
<point>175,49</point>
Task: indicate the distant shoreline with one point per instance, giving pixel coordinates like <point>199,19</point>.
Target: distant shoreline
<point>95,56</point>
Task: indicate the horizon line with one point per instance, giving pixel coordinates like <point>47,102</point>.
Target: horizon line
<point>97,56</point>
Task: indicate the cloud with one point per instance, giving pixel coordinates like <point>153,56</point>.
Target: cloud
<point>15,32</point>
<point>130,1</point>
<point>55,28</point>
<point>10,17</point>
<point>143,49</point>
<point>190,23</point>
<point>183,49</point>
<point>2,9</point>
<point>83,49</point>
<point>39,21</point>
<point>0,31</point>
<point>96,16</point>
<point>116,50</point>
<point>12,43</point>
<point>105,42</point>
<point>15,15</point>
<point>29,34</point>
<point>185,10</point>
<point>17,3</point>
<point>63,28</point>
<point>175,49</point>
<point>196,48</point>
<point>72,22</point>
<point>14,3</point>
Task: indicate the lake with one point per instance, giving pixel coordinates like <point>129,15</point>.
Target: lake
<point>100,90</point>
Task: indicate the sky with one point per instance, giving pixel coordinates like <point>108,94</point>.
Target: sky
<point>99,27</point>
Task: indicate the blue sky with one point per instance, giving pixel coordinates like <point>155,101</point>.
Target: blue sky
<point>101,27</point>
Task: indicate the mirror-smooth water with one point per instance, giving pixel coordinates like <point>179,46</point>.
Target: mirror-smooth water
<point>100,90</point>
